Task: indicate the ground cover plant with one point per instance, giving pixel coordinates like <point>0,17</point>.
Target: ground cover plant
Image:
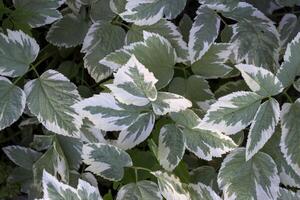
<point>150,99</point>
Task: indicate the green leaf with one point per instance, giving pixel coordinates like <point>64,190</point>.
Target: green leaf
<point>254,179</point>
<point>134,84</point>
<point>17,52</point>
<point>230,87</point>
<point>195,88</point>
<point>206,175</point>
<point>118,6</point>
<point>171,147</point>
<point>186,118</point>
<point>201,191</point>
<point>59,33</point>
<point>288,176</point>
<point>22,156</point>
<point>286,27</point>
<point>37,13</point>
<point>185,25</point>
<point>262,127</point>
<point>232,113</point>
<point>167,30</point>
<point>142,190</point>
<point>150,12</point>
<point>102,38</point>
<point>289,69</point>
<point>170,186</point>
<point>50,98</point>
<point>204,32</point>
<point>12,102</point>
<point>290,139</point>
<point>100,10</point>
<point>297,84</point>
<point>285,194</point>
<point>54,189</point>
<point>168,102</point>
<point>155,53</point>
<point>106,160</point>
<point>260,80</point>
<point>211,64</point>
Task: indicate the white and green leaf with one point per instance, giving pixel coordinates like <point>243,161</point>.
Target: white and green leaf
<point>17,52</point>
<point>106,160</point>
<point>254,179</point>
<point>232,113</point>
<point>171,146</point>
<point>285,194</point>
<point>262,127</point>
<point>203,192</point>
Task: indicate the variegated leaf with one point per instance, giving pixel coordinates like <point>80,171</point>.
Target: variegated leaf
<point>285,194</point>
<point>50,98</point>
<point>211,64</point>
<point>155,53</point>
<point>117,6</point>
<point>290,140</point>
<point>137,132</point>
<point>297,84</point>
<point>186,118</point>
<point>262,127</point>
<point>168,102</point>
<point>106,160</point>
<point>17,154</point>
<point>12,102</point>
<point>254,179</point>
<point>101,39</point>
<point>54,189</point>
<point>232,113</point>
<point>148,12</point>
<point>17,52</point>
<point>37,13</point>
<point>166,29</point>
<point>286,27</point>
<point>171,146</point>
<point>203,192</point>
<point>260,80</point>
<point>289,69</point>
<point>59,33</point>
<point>288,176</point>
<point>106,113</point>
<point>134,84</point>
<point>170,186</point>
<point>206,175</point>
<point>204,32</point>
<point>142,190</point>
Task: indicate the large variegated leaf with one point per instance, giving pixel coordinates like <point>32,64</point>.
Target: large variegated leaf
<point>171,146</point>
<point>260,80</point>
<point>255,38</point>
<point>232,113</point>
<point>285,194</point>
<point>101,39</point>
<point>59,33</point>
<point>17,154</point>
<point>37,13</point>
<point>50,98</point>
<point>289,69</point>
<point>211,64</point>
<point>220,5</point>
<point>288,176</point>
<point>195,88</point>
<point>207,144</point>
<point>170,186</point>
<point>54,189</point>
<point>204,32</point>
<point>290,140</point>
<point>203,192</point>
<point>148,12</point>
<point>286,27</point>
<point>137,132</point>
<point>106,160</point>
<point>254,179</point>
<point>17,51</point>
<point>12,102</point>
<point>106,113</point>
<point>155,53</point>
<point>166,29</point>
<point>134,84</point>
<point>168,102</point>
<point>262,127</point>
<point>142,190</point>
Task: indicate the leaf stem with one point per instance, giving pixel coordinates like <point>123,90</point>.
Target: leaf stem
<point>288,97</point>
<point>140,168</point>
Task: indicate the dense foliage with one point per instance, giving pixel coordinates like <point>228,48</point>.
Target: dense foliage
<point>150,99</point>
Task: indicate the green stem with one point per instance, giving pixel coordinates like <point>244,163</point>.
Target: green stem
<point>288,97</point>
<point>121,24</point>
<point>136,175</point>
<point>140,168</point>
